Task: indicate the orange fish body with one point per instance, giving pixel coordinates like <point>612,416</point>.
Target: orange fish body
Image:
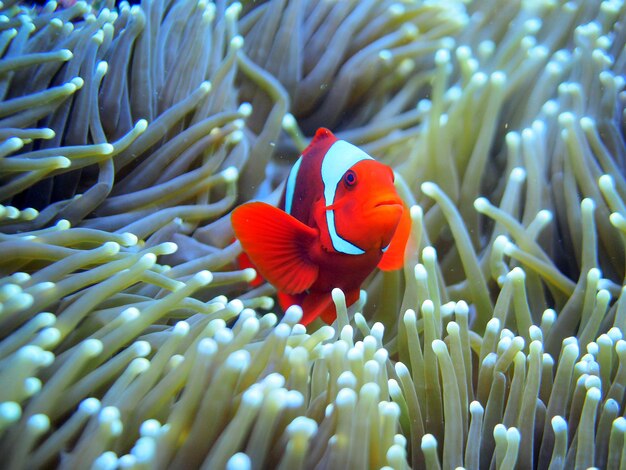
<point>338,219</point>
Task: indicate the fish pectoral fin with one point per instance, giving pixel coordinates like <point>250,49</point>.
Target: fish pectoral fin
<point>278,245</point>
<point>393,258</point>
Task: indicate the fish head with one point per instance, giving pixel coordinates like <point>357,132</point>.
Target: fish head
<point>367,208</point>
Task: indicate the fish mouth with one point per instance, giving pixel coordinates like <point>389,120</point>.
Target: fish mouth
<point>388,202</point>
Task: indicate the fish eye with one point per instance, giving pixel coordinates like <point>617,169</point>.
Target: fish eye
<point>349,178</point>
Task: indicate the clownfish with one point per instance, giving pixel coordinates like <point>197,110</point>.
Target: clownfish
<point>338,219</point>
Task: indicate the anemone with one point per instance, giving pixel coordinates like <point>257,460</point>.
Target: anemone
<point>129,336</point>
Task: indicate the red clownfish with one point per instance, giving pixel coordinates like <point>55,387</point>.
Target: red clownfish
<point>339,218</point>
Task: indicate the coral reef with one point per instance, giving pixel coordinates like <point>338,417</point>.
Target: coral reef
<point>129,336</point>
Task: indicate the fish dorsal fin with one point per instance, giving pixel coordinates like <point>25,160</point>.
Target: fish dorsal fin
<point>321,134</point>
<point>341,156</point>
<point>306,171</point>
<point>393,257</point>
<point>278,245</point>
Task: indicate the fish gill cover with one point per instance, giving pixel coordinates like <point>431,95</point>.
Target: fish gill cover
<point>131,339</point>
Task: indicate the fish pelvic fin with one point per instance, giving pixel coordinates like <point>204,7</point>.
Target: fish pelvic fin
<point>393,258</point>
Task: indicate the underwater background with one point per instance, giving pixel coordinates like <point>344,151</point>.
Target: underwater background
<point>130,338</point>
